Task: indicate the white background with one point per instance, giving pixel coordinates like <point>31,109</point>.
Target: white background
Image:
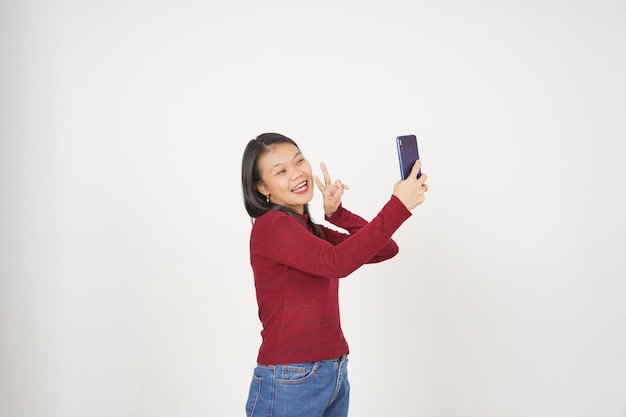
<point>125,282</point>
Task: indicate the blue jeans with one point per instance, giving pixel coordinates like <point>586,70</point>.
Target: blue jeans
<point>313,389</point>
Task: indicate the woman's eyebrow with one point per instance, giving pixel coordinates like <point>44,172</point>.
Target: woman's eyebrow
<point>282,163</point>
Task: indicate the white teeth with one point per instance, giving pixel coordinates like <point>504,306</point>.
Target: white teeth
<point>299,186</point>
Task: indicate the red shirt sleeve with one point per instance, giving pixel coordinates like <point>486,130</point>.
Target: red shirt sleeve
<point>351,222</point>
<point>286,240</point>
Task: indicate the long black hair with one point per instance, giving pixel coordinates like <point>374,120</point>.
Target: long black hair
<point>256,203</point>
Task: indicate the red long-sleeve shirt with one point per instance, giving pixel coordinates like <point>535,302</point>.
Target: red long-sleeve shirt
<point>296,275</point>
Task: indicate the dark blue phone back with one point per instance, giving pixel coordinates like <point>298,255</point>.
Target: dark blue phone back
<point>407,154</point>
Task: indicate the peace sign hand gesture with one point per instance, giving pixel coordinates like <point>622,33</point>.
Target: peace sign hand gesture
<point>331,192</point>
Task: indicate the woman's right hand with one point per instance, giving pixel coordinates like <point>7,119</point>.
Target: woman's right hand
<point>411,190</point>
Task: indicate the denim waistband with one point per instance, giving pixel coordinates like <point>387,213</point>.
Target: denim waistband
<point>338,359</point>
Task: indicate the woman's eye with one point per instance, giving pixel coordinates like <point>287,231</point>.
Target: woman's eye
<point>300,161</point>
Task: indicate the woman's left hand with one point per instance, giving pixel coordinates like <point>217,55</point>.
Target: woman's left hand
<point>331,192</point>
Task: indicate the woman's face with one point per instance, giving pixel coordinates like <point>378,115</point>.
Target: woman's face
<point>286,176</point>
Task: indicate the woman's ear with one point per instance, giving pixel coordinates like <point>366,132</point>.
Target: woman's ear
<point>261,188</point>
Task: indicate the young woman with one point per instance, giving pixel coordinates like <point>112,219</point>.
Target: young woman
<point>301,365</point>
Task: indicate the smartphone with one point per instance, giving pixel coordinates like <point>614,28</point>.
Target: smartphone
<point>407,154</point>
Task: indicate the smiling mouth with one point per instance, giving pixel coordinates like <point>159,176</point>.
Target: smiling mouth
<point>300,187</point>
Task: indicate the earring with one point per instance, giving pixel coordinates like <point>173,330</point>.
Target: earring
<point>267,198</point>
